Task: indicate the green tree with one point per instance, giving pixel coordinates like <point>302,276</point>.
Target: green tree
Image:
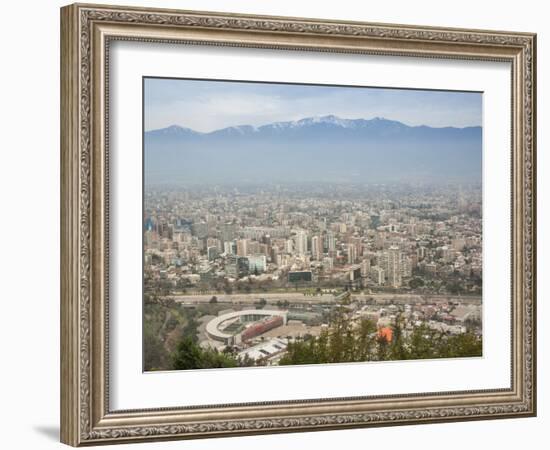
<point>454,288</point>
<point>416,282</point>
<point>424,343</point>
<point>398,350</point>
<point>189,355</point>
<point>155,356</point>
<point>462,345</point>
<point>382,348</point>
<point>190,328</point>
<point>366,340</point>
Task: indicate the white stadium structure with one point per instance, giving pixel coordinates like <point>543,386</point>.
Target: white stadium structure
<point>222,328</point>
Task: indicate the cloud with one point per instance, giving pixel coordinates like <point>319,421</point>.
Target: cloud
<point>210,105</point>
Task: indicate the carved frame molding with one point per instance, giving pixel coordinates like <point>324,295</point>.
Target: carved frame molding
<point>86,32</point>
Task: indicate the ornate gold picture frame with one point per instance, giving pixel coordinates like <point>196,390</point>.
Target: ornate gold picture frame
<point>87,32</point>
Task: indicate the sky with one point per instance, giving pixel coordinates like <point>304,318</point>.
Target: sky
<point>211,105</point>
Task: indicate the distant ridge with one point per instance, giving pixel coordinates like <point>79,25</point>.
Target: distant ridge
<point>326,148</point>
<point>329,120</point>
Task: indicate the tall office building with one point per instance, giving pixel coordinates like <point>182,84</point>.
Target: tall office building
<point>316,249</point>
<point>394,267</point>
<point>229,248</point>
<point>236,266</point>
<point>257,263</point>
<point>242,247</point>
<point>331,241</point>
<point>356,242</point>
<point>228,231</point>
<point>365,267</point>
<point>301,242</point>
<point>352,254</point>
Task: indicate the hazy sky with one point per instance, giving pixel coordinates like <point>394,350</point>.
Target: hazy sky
<point>211,105</point>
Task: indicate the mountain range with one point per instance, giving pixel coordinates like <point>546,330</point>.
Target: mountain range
<point>326,148</point>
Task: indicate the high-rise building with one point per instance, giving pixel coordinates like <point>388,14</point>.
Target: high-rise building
<point>212,253</point>
<point>289,246</point>
<point>377,275</point>
<point>273,253</point>
<point>200,229</point>
<point>242,247</point>
<point>352,254</point>
<point>406,267</point>
<point>259,233</point>
<point>331,241</point>
<point>228,231</point>
<point>236,266</point>
<point>446,254</point>
<point>301,242</point>
<point>356,241</point>
<point>365,267</point>
<point>264,250</point>
<point>316,248</point>
<point>229,248</point>
<point>252,248</point>
<point>394,267</point>
<point>231,268</point>
<point>214,242</point>
<point>257,263</point>
<point>421,252</point>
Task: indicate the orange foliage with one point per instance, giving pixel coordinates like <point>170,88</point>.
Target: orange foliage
<point>385,333</point>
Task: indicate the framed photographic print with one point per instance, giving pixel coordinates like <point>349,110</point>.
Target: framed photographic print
<point>277,224</point>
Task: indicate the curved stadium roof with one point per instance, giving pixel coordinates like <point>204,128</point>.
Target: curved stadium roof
<point>212,327</point>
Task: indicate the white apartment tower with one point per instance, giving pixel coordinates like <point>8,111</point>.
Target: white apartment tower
<point>394,267</point>
<point>331,241</point>
<point>316,248</point>
<point>352,254</point>
<point>301,242</point>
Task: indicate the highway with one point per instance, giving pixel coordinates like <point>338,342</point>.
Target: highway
<point>300,298</point>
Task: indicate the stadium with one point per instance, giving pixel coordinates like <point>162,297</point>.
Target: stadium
<point>240,326</point>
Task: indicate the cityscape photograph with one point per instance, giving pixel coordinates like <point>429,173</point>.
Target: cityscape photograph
<point>290,224</point>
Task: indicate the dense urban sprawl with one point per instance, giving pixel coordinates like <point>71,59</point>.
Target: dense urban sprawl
<point>247,274</point>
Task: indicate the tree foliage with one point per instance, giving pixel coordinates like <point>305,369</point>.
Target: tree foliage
<point>189,355</point>
<point>349,341</point>
<point>346,340</point>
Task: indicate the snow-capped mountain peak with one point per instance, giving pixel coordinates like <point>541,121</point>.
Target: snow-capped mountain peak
<point>238,130</point>
<point>174,130</point>
<point>330,119</point>
<point>315,124</point>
